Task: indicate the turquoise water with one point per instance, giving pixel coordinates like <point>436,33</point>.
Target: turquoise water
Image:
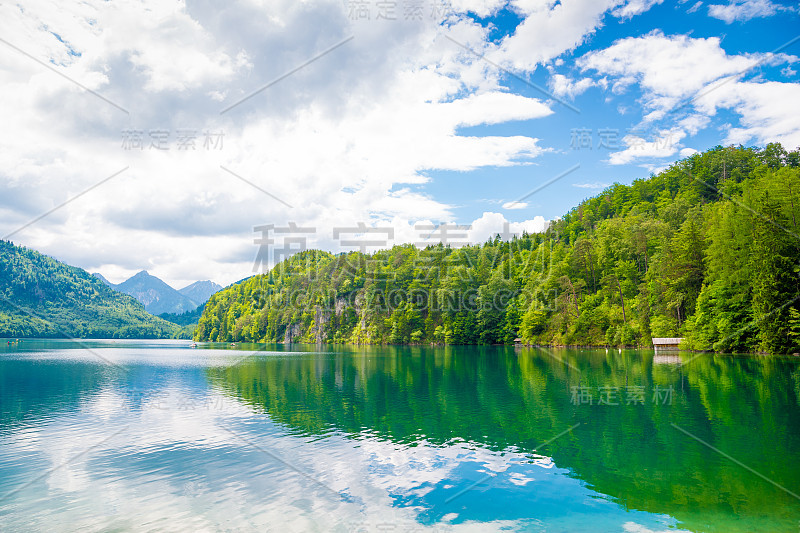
<point>157,436</point>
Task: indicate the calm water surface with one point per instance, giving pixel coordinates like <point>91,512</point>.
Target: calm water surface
<point>157,436</point>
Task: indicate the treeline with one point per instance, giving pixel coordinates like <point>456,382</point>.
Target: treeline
<point>707,250</point>
<point>42,297</point>
<point>187,318</point>
<point>186,321</point>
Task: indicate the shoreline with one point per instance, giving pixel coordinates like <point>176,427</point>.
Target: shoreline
<point>13,341</point>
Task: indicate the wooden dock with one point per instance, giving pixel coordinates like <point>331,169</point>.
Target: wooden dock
<point>666,343</point>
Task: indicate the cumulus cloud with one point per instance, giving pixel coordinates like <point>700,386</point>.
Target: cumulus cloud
<point>323,120</point>
<point>344,122</point>
<point>668,67</point>
<point>492,224</point>
<point>770,111</point>
<point>632,8</point>
<point>665,144</point>
<point>550,29</point>
<point>482,8</point>
<point>564,87</point>
<point>685,81</point>
<point>744,10</point>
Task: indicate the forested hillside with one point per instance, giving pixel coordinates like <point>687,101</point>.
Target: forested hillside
<point>42,297</point>
<point>708,250</point>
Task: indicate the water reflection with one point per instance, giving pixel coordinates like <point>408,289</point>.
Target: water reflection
<point>625,408</point>
<point>50,390</point>
<point>392,439</point>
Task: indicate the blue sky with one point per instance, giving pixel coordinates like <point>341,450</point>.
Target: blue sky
<point>566,131</point>
<point>142,134</point>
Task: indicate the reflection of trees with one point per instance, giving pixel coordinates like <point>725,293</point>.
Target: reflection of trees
<point>501,398</point>
<point>30,391</point>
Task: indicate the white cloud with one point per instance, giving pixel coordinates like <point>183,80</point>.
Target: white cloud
<point>634,7</point>
<point>665,144</point>
<point>744,10</point>
<point>669,67</point>
<point>595,185</point>
<point>565,87</point>
<point>654,168</point>
<point>491,224</point>
<point>482,8</point>
<point>550,29</point>
<point>347,138</point>
<point>694,123</point>
<point>686,152</point>
<point>515,205</point>
<point>770,111</point>
<point>674,70</point>
<point>350,137</point>
<point>491,108</point>
<point>426,232</point>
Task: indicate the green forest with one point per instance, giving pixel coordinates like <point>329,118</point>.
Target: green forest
<point>42,297</point>
<point>707,250</point>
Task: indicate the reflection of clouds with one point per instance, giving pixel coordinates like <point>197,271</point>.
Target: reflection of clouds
<point>181,466</point>
<point>544,462</point>
<point>105,404</point>
<point>519,479</point>
<point>71,477</point>
<point>236,487</point>
<point>632,527</point>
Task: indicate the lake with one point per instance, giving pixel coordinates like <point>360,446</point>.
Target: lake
<point>156,435</point>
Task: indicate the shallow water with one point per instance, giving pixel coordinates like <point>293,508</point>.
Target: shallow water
<point>146,436</point>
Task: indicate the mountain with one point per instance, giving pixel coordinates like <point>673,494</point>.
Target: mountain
<point>160,298</point>
<point>200,291</point>
<point>706,250</point>
<point>156,296</point>
<point>99,276</point>
<point>42,297</point>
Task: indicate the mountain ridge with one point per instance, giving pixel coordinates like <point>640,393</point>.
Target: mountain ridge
<point>159,297</point>
<point>43,297</point>
<point>200,291</point>
<point>156,295</point>
<point>102,278</point>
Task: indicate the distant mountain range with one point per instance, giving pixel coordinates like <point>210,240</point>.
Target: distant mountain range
<point>200,291</point>
<point>159,298</point>
<point>42,297</point>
